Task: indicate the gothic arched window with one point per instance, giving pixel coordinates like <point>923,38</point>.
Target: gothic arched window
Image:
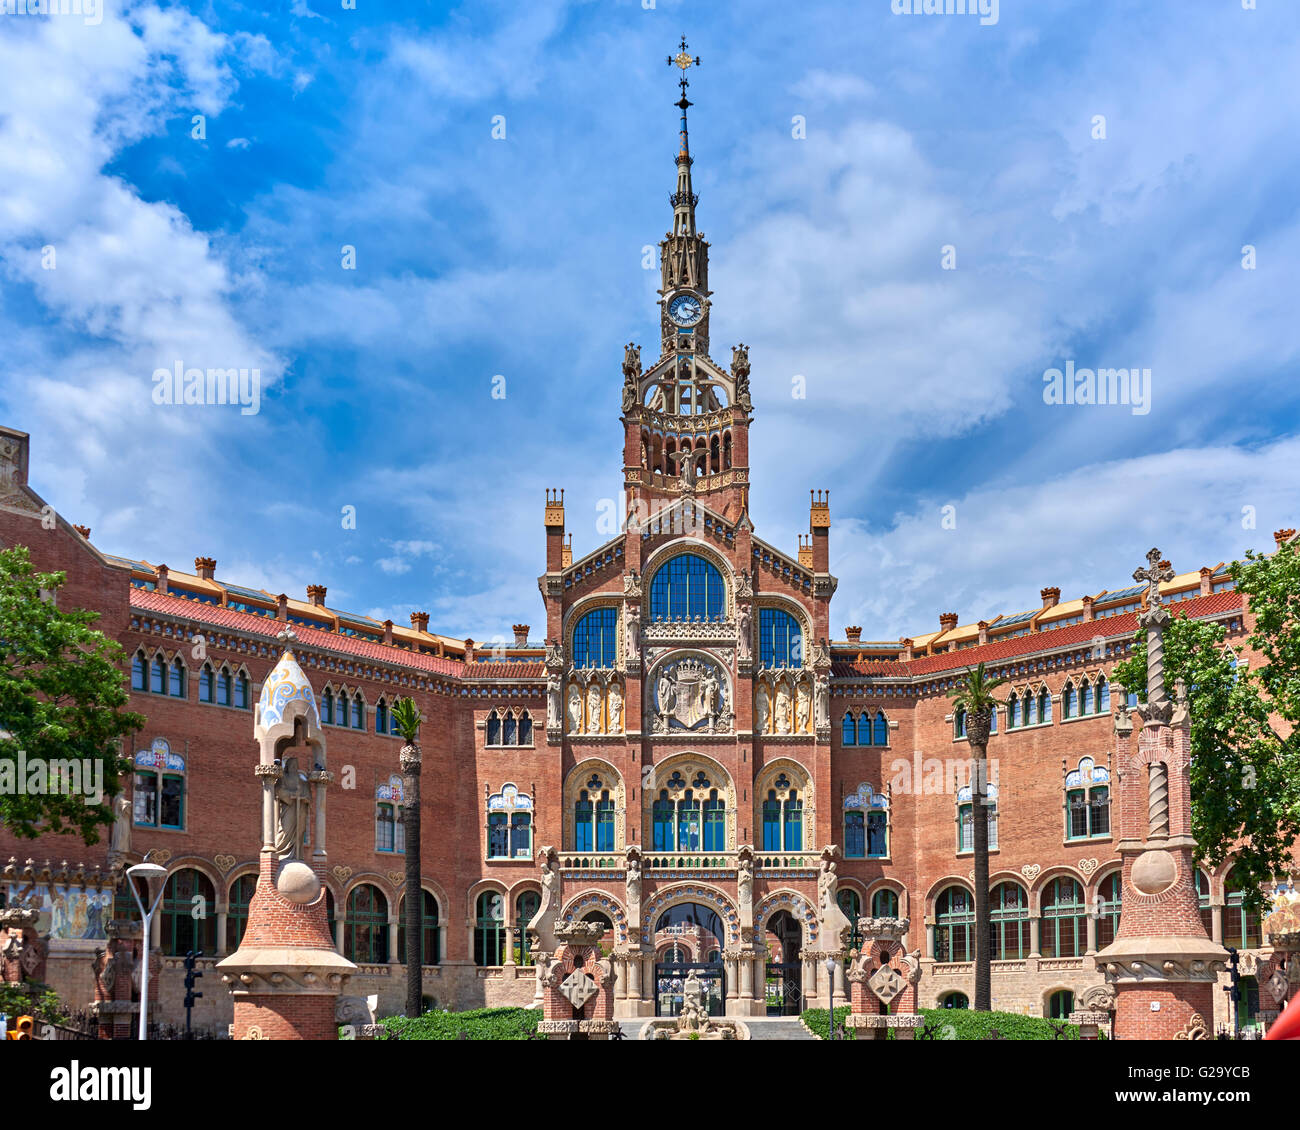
<point>848,733</point>
<point>594,639</point>
<point>189,913</point>
<point>780,641</point>
<point>176,678</point>
<point>953,923</point>
<point>1064,927</point>
<point>225,687</point>
<point>158,675</point>
<point>1044,706</point>
<point>365,935</point>
<point>1103,696</point>
<point>1067,701</point>
<point>880,729</point>
<point>139,672</point>
<point>687,588</point>
<point>1085,705</point>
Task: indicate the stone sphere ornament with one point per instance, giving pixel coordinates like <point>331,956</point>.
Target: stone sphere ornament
<point>1154,872</point>
<point>298,883</point>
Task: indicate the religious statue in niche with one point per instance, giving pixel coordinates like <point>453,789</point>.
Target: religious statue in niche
<point>631,632</point>
<point>744,625</point>
<point>593,708</point>
<point>575,710</point>
<point>823,702</point>
<point>554,685</point>
<point>803,708</point>
<point>690,694</point>
<point>615,709</point>
<point>292,802</point>
<point>782,709</point>
<point>762,711</point>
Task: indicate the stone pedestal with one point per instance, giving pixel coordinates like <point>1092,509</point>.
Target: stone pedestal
<point>577,986</point>
<point>883,982</point>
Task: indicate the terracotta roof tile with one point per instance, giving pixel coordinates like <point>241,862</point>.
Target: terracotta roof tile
<point>221,617</point>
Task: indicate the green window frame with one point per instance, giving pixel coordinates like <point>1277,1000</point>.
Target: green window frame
<point>1109,906</point>
<point>490,930</point>
<point>954,922</point>
<point>430,935</point>
<point>1064,929</point>
<point>241,895</point>
<point>1008,922</point>
<point>189,913</point>
<point>365,933</point>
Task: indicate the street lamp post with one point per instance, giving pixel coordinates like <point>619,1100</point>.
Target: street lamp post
<point>152,877</point>
<point>830,988</point>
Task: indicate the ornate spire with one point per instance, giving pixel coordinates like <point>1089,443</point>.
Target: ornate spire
<point>684,199</point>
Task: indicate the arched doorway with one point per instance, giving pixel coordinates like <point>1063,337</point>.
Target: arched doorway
<point>705,934</point>
<point>784,984</point>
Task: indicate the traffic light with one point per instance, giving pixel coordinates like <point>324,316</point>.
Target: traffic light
<point>191,975</point>
<point>23,1028</point>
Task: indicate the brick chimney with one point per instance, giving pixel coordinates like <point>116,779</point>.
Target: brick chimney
<point>853,635</point>
<point>906,644</point>
<point>1282,537</point>
<point>469,651</point>
<point>205,567</point>
<point>947,621</point>
<point>84,531</point>
<point>521,634</point>
<point>1207,580</point>
<point>984,631</point>
<point>1087,609</point>
<point>1051,596</point>
<point>420,621</point>
<point>316,595</point>
<point>282,607</point>
<point>819,531</point>
<point>553,517</point>
<point>388,631</point>
<point>160,572</point>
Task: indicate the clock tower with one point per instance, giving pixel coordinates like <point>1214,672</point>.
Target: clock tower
<point>686,417</point>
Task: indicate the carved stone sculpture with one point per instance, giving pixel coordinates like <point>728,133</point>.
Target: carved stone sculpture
<point>615,709</point>
<point>783,709</point>
<point>554,686</point>
<point>575,710</point>
<point>292,802</point>
<point>593,709</point>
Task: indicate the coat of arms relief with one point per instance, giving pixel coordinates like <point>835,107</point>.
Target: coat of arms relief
<point>690,694</point>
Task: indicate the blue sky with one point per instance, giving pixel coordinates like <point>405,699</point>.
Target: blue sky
<point>522,257</point>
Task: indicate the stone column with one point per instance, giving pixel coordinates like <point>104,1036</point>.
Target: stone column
<point>1092,934</point>
<point>1035,936</point>
<point>392,939</point>
<point>223,913</point>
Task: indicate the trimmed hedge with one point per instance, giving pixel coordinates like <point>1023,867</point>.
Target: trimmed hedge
<point>480,1024</point>
<point>960,1024</point>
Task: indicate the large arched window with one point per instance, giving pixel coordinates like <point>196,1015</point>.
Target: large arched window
<point>365,937</point>
<point>1008,922</point>
<point>189,910</point>
<point>687,588</point>
<point>851,905</point>
<point>783,817</point>
<point>510,824</point>
<point>1064,928</point>
<point>953,923</point>
<point>1241,928</point>
<point>866,824</point>
<point>594,639</point>
<point>1203,902</point>
<point>593,818</point>
<point>430,936</point>
<point>526,907</point>
<point>884,904</point>
<point>490,929</point>
<point>241,894</point>
<point>780,641</point>
<point>1108,908</point>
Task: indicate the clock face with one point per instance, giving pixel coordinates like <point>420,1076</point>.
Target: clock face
<point>685,310</point>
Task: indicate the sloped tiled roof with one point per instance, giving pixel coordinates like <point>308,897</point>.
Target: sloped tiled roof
<point>221,617</point>
<point>1001,651</point>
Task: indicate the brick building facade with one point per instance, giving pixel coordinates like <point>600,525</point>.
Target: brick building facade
<point>684,732</point>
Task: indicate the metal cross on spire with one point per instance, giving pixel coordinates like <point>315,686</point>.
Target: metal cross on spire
<point>685,60</point>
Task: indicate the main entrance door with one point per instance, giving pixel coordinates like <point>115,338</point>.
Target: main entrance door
<point>784,984</point>
<point>689,939</point>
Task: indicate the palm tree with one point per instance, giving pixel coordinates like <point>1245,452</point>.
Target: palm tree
<point>406,720</point>
<point>974,695</point>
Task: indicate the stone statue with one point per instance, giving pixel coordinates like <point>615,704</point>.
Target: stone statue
<point>292,801</point>
<point>744,625</point>
<point>633,865</point>
<point>542,926</point>
<point>666,694</point>
<point>783,709</point>
<point>745,878</point>
<point>615,709</point>
<point>631,375</point>
<point>554,685</point>
<point>823,702</point>
<point>740,373</point>
<point>575,710</point>
<point>709,692</point>
<point>119,843</point>
<point>762,711</point>
<point>593,709</point>
<point>803,700</point>
<point>631,632</point>
<point>694,1015</point>
<point>834,922</point>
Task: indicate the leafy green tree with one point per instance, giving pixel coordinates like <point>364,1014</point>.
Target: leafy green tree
<point>1245,772</point>
<point>62,694</point>
<point>974,695</point>
<point>406,720</point>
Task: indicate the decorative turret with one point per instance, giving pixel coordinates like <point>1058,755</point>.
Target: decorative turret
<point>686,417</point>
